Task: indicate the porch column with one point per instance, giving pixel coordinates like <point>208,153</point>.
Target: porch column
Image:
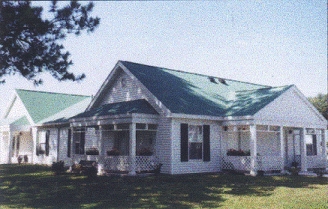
<point>282,148</point>
<point>132,149</point>
<point>10,143</point>
<point>253,150</point>
<point>101,151</point>
<point>303,151</point>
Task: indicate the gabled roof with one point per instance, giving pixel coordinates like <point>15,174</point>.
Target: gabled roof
<point>42,105</point>
<point>135,106</point>
<point>196,94</point>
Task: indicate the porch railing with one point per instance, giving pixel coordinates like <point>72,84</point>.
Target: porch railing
<point>237,163</point>
<point>123,163</point>
<point>315,161</point>
<point>243,163</point>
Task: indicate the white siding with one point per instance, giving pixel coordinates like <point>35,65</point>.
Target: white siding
<point>290,109</point>
<point>164,143</point>
<point>117,93</point>
<point>63,147</point>
<point>4,146</point>
<point>196,166</point>
<point>53,142</point>
<point>17,109</point>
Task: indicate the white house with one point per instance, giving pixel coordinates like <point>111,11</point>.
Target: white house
<point>190,123</point>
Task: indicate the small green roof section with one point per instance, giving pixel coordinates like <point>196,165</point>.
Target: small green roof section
<point>41,105</point>
<point>19,121</point>
<point>135,106</point>
<point>196,94</point>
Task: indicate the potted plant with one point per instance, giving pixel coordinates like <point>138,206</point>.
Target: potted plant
<point>145,152</point>
<point>92,151</point>
<point>233,152</point>
<point>113,152</point>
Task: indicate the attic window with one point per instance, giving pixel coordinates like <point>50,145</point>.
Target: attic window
<point>123,82</point>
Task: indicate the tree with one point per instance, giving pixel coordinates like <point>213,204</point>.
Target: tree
<point>321,103</point>
<point>31,45</point>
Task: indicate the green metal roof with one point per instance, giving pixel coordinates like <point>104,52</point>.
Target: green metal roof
<point>135,106</point>
<point>196,94</point>
<point>15,121</point>
<point>41,105</point>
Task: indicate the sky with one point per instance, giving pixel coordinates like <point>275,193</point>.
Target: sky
<point>273,43</point>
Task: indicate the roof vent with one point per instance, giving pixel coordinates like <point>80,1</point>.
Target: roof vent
<point>212,79</point>
<point>221,80</point>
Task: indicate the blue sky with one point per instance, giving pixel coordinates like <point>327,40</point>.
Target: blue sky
<point>267,42</point>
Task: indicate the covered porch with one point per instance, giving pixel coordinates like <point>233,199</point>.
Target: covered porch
<point>16,141</point>
<point>120,137</point>
<point>272,149</point>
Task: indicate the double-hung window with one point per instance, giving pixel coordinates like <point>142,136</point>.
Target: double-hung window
<point>195,137</point>
<point>195,142</point>
<point>79,140</point>
<point>42,146</point>
<point>311,145</point>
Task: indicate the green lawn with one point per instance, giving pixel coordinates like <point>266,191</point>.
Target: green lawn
<point>32,186</point>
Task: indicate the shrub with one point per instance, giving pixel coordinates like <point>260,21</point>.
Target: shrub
<point>58,167</point>
<point>91,172</point>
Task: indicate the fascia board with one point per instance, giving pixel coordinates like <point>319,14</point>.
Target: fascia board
<point>206,117</point>
<point>10,104</point>
<point>27,114</point>
<point>103,86</point>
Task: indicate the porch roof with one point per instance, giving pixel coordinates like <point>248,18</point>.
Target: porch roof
<point>196,94</point>
<point>135,106</point>
<point>15,121</point>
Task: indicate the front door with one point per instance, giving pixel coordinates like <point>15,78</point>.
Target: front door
<point>293,147</point>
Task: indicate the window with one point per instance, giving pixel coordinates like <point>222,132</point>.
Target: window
<point>123,82</point>
<point>311,145</point>
<point>42,146</point>
<point>79,141</point>
<point>195,142</point>
<point>195,137</point>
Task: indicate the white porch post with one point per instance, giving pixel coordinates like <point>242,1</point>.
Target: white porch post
<point>132,149</point>
<point>10,140</point>
<point>282,148</point>
<point>253,150</point>
<point>303,151</point>
<point>101,151</point>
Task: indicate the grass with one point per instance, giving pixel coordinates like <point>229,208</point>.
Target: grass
<point>34,186</point>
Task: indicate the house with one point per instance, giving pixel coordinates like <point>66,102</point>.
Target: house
<point>143,116</point>
<point>21,134</point>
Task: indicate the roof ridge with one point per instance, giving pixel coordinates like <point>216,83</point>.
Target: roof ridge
<point>199,74</point>
<point>50,92</point>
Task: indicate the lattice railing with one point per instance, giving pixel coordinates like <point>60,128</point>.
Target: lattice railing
<point>117,163</point>
<point>269,163</point>
<point>123,163</point>
<point>238,163</point>
<point>243,163</point>
<point>316,161</point>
